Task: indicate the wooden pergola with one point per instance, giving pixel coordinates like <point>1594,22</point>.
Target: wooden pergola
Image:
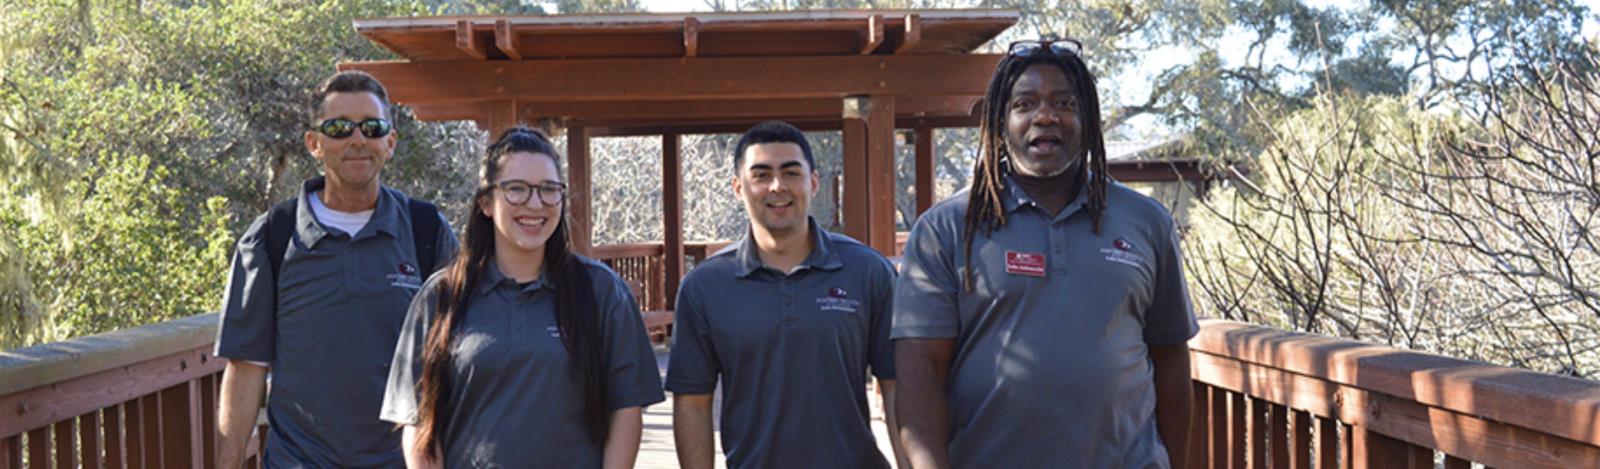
<point>865,73</point>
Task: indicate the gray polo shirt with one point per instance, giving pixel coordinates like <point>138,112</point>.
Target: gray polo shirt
<point>515,399</point>
<point>328,330</point>
<point>792,351</point>
<point>1052,363</point>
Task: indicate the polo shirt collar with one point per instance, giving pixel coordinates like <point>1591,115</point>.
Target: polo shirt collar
<point>824,255</point>
<point>1015,197</point>
<point>493,279</point>
<point>385,217</point>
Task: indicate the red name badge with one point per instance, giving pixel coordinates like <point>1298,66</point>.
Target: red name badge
<point>1025,263</point>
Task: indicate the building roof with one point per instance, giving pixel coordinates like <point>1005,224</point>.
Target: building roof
<point>667,35</point>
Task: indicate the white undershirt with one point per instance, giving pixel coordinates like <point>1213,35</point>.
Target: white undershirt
<point>348,222</point>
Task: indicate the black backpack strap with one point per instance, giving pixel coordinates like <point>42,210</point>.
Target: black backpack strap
<point>424,233</point>
<point>280,228</point>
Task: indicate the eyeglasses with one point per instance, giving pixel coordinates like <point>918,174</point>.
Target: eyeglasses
<point>1053,43</point>
<point>518,192</point>
<point>342,128</point>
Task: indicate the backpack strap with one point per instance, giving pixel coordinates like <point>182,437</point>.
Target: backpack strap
<point>424,233</point>
<point>280,227</point>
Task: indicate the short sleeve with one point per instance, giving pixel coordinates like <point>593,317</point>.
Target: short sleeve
<point>1170,319</point>
<point>926,292</point>
<point>248,328</point>
<point>693,366</point>
<point>400,392</point>
<point>634,379</point>
<point>879,345</point>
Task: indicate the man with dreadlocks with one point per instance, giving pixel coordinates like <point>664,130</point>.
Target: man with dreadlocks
<point>1041,317</point>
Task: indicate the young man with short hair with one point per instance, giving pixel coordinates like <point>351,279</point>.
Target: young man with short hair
<point>790,320</point>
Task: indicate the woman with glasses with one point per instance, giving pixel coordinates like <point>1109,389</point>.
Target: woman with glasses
<point>520,353</point>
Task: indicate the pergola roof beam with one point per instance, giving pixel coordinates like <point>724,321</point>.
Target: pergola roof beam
<point>676,79</point>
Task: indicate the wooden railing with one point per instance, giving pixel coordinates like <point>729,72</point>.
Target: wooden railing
<point>146,397</point>
<point>1270,398</point>
<point>136,398</point>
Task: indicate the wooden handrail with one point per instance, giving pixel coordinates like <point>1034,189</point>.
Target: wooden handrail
<point>618,251</point>
<point>141,397</point>
<point>1394,404</point>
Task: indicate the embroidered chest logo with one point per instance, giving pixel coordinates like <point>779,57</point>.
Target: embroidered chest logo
<point>838,299</point>
<point>405,276</point>
<point>1121,252</point>
<point>1025,263</point>
<point>555,332</point>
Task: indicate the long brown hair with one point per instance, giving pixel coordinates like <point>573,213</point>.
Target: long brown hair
<point>985,207</point>
<point>576,314</point>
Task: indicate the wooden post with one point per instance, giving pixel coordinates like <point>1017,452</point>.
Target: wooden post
<point>881,172</point>
<point>853,202</point>
<point>578,198</point>
<point>502,116</point>
<point>671,217</point>
<point>869,171</point>
<point>924,163</point>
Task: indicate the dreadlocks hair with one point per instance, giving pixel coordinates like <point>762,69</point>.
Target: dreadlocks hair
<point>576,314</point>
<point>985,207</point>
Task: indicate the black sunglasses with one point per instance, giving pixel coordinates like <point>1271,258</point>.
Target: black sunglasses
<point>341,128</point>
<point>1049,42</point>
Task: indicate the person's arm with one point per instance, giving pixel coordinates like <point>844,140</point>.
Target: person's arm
<point>414,459</point>
<point>890,420</point>
<point>622,440</point>
<point>691,430</point>
<point>1174,399</point>
<point>922,403</point>
<point>242,385</point>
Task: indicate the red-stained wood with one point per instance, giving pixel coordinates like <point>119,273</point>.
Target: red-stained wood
<point>578,189</point>
<point>1238,435</point>
<point>742,34</point>
<point>66,438</point>
<point>1561,406</point>
<point>1347,448</point>
<point>152,432</point>
<point>134,429</point>
<point>208,416</point>
<point>857,193</point>
<point>89,439</point>
<point>508,41</point>
<point>907,108</point>
<point>912,35</point>
<point>11,452</point>
<point>881,174</point>
<point>1327,443</point>
<point>703,78</point>
<point>1258,432</point>
<point>1217,398</point>
<point>1452,462</point>
<point>874,34</point>
<point>111,434</point>
<point>1300,440</point>
<point>924,167</point>
<point>691,37</point>
<point>671,217</point>
<point>1472,437</point>
<point>39,447</point>
<point>44,405</point>
<point>502,117</point>
<point>1200,435</point>
<point>467,41</point>
<point>1278,434</point>
<point>626,250</point>
<point>180,425</point>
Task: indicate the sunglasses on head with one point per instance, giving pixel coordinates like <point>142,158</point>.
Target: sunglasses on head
<point>341,128</point>
<point>1049,42</point>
